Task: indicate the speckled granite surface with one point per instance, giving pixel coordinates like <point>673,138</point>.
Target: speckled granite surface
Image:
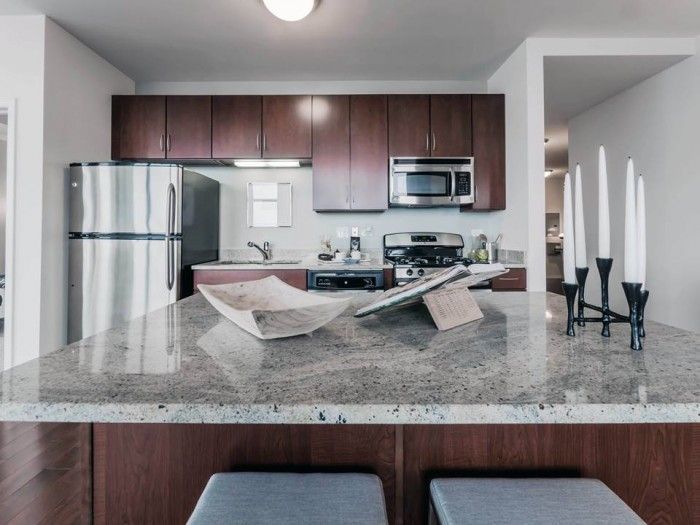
<point>187,363</point>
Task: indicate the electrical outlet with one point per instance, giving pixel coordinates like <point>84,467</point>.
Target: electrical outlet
<point>342,232</point>
<point>355,231</point>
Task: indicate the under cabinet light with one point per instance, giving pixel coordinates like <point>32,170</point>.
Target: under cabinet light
<point>266,163</point>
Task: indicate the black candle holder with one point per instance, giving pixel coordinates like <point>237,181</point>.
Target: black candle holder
<point>604,266</point>
<point>642,305</point>
<point>636,301</point>
<point>581,275</point>
<point>570,291</point>
<point>633,293</point>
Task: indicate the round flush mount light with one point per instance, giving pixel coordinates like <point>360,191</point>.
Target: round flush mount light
<point>290,10</point>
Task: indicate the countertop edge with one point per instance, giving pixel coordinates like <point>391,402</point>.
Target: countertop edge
<point>602,413</point>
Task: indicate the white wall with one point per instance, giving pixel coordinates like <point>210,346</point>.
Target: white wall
<point>657,122</point>
<point>308,226</point>
<point>22,79</point>
<point>62,92</point>
<point>78,85</point>
<point>520,78</point>
<point>3,190</point>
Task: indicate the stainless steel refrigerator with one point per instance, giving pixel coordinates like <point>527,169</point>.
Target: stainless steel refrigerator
<point>135,230</point>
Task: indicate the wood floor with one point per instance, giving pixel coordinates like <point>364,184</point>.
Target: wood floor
<point>45,473</point>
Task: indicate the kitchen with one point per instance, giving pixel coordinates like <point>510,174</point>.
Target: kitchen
<point>350,186</point>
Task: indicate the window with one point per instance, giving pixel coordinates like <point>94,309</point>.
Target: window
<point>269,204</point>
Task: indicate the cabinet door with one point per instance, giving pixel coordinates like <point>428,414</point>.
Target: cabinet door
<point>189,127</point>
<point>513,281</point>
<point>236,127</point>
<point>331,147</point>
<point>369,153</point>
<point>450,125</point>
<point>409,125</point>
<point>287,127</point>
<point>296,278</point>
<point>489,151</point>
<point>138,127</point>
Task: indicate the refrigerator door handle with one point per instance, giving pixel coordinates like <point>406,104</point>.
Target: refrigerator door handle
<point>170,222</point>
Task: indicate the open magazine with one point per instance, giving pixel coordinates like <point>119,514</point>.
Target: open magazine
<point>415,290</point>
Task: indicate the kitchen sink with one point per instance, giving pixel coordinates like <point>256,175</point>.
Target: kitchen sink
<point>257,261</point>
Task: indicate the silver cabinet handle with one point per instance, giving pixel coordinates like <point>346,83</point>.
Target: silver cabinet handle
<point>433,141</point>
<point>162,140</point>
<point>427,141</point>
<point>167,142</point>
<point>257,141</point>
<point>508,278</point>
<point>265,141</point>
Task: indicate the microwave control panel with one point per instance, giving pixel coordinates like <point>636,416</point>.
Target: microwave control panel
<point>464,183</point>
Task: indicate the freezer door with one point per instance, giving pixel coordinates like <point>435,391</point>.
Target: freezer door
<point>114,280</point>
<point>125,198</point>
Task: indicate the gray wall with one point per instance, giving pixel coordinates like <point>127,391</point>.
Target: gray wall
<point>656,122</point>
<point>308,226</point>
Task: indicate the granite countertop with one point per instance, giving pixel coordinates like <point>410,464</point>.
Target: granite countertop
<point>186,363</point>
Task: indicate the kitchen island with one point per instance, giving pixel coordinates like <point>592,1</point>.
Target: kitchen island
<point>183,392</point>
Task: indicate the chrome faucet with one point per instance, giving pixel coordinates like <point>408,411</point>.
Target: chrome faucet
<point>265,250</point>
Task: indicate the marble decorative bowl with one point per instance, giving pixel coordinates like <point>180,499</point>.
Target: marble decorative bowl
<point>270,309</point>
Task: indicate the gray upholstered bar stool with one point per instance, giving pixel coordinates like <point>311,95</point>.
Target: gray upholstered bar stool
<point>541,501</point>
<point>287,498</point>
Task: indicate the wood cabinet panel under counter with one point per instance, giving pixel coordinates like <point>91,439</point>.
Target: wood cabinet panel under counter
<point>296,278</point>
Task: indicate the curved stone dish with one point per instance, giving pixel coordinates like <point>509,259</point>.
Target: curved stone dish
<point>269,308</point>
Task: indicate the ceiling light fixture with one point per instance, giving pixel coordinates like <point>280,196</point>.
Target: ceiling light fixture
<point>290,10</point>
<point>264,163</point>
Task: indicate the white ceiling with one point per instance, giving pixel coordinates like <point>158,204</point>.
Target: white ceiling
<point>238,40</point>
<point>575,84</point>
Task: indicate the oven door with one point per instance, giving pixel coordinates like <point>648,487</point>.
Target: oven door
<point>421,185</point>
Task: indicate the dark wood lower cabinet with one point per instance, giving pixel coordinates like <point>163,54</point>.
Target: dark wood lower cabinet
<point>151,473</point>
<point>154,473</point>
<point>296,278</point>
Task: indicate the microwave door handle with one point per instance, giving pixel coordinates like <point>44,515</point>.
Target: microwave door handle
<point>453,184</point>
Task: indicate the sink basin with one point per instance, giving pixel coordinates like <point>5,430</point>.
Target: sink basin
<point>258,261</point>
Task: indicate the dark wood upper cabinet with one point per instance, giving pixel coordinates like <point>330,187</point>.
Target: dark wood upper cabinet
<point>450,126</point>
<point>409,125</point>
<point>369,157</point>
<point>489,151</point>
<point>188,127</point>
<point>236,127</point>
<point>138,127</point>
<point>331,147</point>
<point>286,127</point>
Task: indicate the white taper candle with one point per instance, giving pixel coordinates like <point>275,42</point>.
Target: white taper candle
<point>630,274</point>
<point>580,229</point>
<point>641,234</point>
<point>603,207</point>
<point>569,258</point>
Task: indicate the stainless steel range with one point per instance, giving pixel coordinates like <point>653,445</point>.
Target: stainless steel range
<point>418,254</point>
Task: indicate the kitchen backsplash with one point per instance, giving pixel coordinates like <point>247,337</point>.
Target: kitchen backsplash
<point>308,226</point>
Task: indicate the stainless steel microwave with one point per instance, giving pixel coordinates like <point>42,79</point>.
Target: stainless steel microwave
<point>431,181</point>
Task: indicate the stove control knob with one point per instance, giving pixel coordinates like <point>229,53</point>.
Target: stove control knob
<point>409,272</point>
<point>421,272</point>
